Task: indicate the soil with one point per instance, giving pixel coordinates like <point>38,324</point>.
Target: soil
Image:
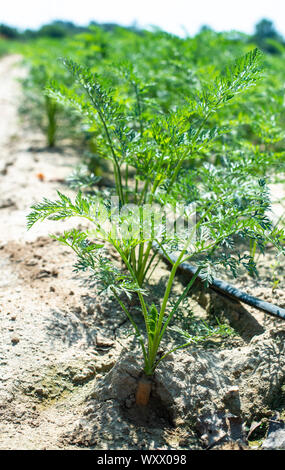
<point>67,378</point>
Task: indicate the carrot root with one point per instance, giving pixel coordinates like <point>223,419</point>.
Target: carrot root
<point>143,392</point>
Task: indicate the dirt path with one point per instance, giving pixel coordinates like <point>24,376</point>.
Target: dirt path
<point>47,347</point>
<point>9,94</point>
<point>23,157</point>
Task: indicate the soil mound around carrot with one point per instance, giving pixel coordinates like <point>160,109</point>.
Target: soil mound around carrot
<point>202,397</point>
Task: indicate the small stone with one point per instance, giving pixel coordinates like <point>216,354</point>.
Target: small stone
<point>183,442</point>
<point>98,308</point>
<point>40,392</point>
<point>43,273</point>
<point>103,342</point>
<point>129,403</point>
<point>31,263</point>
<point>233,390</point>
<point>77,309</point>
<point>90,309</point>
<point>4,203</point>
<point>84,375</point>
<point>15,340</point>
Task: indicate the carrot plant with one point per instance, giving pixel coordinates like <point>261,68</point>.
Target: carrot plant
<point>155,191</point>
<point>42,112</point>
<point>148,148</point>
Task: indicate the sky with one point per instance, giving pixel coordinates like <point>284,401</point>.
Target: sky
<point>175,16</point>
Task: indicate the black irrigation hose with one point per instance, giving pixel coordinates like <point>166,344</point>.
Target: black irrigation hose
<point>228,290</point>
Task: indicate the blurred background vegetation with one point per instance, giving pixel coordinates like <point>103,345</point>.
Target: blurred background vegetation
<point>159,70</point>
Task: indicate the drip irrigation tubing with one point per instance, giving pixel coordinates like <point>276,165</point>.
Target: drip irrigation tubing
<point>230,291</point>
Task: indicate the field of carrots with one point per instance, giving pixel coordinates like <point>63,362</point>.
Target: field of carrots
<point>142,242</point>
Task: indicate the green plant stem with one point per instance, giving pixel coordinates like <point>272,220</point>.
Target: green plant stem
<point>139,107</point>
<point>127,182</point>
<point>151,364</point>
<point>133,274</point>
<point>117,170</point>
<point>133,324</point>
<point>175,174</point>
<point>51,110</point>
<point>179,300</point>
<point>142,196</point>
<point>143,262</point>
<point>149,265</point>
